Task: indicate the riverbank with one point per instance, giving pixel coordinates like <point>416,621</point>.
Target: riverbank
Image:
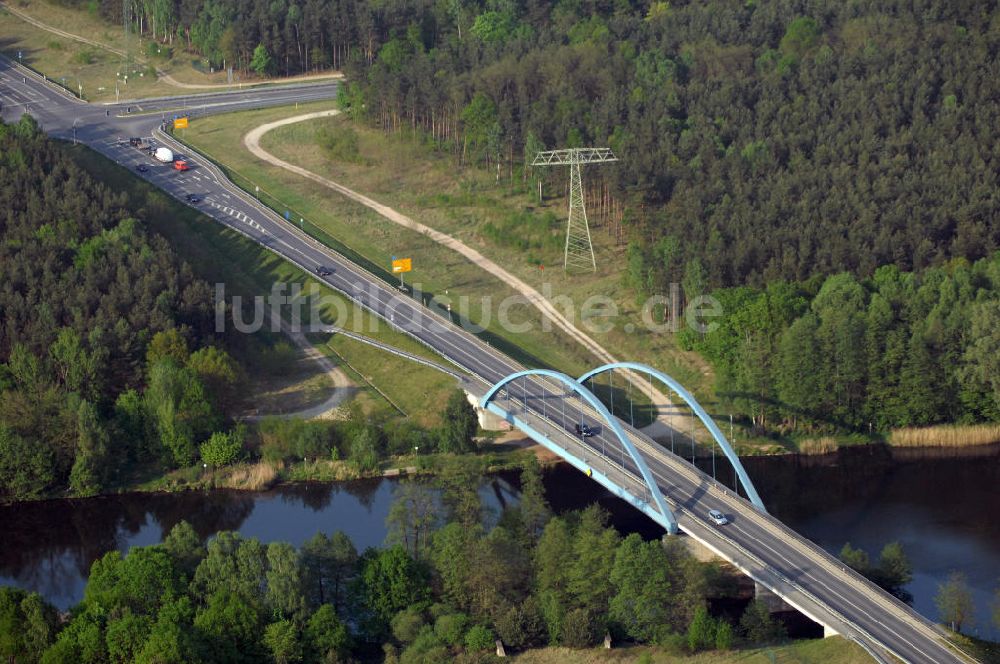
<point>507,452</point>
<point>836,650</point>
<point>942,436</point>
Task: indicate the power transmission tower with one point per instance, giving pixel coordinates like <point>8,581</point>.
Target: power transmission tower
<point>579,249</point>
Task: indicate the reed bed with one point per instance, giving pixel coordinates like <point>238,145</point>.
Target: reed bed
<point>946,436</point>
<point>822,445</point>
<point>250,477</point>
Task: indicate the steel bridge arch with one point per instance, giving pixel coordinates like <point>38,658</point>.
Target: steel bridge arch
<point>669,521</point>
<point>696,408</point>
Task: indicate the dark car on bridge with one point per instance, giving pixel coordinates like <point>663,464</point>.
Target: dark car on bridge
<point>585,430</point>
<point>323,271</point>
<point>142,168</point>
<point>193,198</point>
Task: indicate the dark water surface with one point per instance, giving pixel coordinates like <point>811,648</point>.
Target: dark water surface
<point>944,509</point>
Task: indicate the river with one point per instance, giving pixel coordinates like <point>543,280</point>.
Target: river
<point>943,508</point>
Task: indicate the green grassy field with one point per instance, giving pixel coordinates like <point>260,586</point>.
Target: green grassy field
<point>220,255</point>
<point>96,70</point>
<point>507,223</point>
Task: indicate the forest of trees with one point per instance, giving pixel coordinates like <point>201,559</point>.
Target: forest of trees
<point>764,140</point>
<point>443,588</point>
<point>896,349</point>
<point>105,360</point>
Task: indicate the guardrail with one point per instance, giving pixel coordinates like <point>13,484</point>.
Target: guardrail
<point>28,70</point>
<point>394,351</point>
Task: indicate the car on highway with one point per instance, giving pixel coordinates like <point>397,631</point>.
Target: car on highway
<point>142,168</point>
<point>585,430</point>
<point>323,271</point>
<point>717,517</point>
<point>193,198</point>
<point>181,165</point>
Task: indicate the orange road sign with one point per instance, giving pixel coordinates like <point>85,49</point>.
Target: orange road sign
<point>402,265</point>
<point>180,123</point>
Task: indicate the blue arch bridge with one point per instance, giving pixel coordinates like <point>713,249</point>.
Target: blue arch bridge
<point>565,415</point>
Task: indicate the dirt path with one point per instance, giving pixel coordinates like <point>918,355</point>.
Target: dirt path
<point>669,417</point>
<point>161,75</point>
<point>342,386</point>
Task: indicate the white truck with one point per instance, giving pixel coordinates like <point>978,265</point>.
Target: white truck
<point>165,155</point>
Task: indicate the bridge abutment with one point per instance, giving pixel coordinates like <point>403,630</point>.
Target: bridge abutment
<point>769,599</point>
<point>487,421</point>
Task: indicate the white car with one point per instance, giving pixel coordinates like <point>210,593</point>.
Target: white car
<point>717,517</point>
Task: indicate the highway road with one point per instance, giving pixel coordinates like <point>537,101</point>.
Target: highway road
<point>776,556</point>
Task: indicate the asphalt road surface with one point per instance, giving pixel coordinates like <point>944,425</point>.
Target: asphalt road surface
<point>774,554</point>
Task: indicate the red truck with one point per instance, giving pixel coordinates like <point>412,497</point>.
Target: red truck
<point>181,165</point>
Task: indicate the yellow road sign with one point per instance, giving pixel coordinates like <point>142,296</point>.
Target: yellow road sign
<point>180,123</point>
<point>402,265</point>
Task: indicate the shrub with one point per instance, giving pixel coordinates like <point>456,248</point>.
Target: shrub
<point>521,625</point>
<point>313,441</point>
<point>223,448</point>
<point>339,142</point>
<point>406,625</point>
<point>723,636</point>
<point>758,626</point>
<point>364,452</point>
<point>450,628</point>
<point>479,638</point>
<point>84,57</point>
<point>701,631</point>
<point>578,629</point>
